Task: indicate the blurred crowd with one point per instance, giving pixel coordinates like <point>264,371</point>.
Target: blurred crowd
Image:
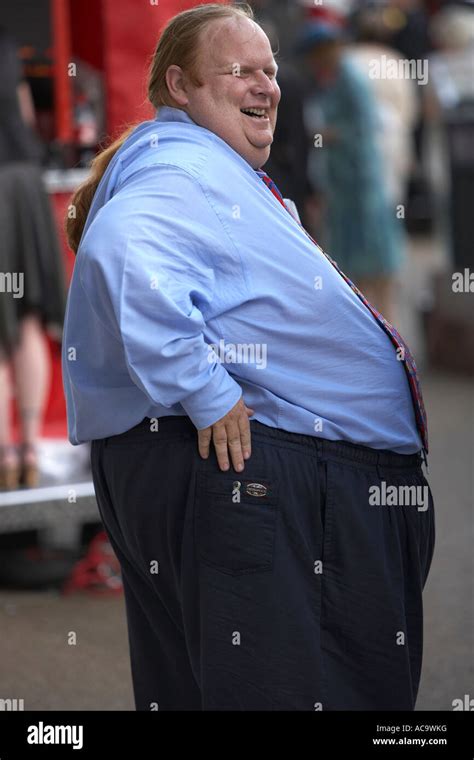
<point>363,82</point>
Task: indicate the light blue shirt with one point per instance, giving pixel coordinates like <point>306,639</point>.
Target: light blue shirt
<point>193,285</point>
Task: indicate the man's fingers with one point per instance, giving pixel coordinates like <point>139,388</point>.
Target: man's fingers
<point>231,437</point>
<point>245,436</point>
<point>204,439</point>
<point>220,444</point>
<point>235,446</point>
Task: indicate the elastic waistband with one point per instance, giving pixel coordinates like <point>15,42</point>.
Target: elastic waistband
<point>181,425</point>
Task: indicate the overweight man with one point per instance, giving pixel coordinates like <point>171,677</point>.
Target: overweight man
<point>257,429</point>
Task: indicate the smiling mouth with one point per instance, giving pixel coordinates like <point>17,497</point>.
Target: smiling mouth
<point>255,113</point>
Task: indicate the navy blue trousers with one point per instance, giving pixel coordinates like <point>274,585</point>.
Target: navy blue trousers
<point>285,587</point>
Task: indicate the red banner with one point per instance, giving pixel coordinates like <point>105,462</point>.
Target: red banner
<point>131,32</point>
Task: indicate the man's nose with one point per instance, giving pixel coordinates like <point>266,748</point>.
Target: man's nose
<point>262,85</point>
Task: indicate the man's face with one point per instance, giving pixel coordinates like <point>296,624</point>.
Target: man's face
<point>238,72</point>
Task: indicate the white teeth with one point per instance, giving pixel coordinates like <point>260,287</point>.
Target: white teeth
<point>256,111</point>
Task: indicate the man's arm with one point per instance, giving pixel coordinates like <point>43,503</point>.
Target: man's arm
<point>146,271</point>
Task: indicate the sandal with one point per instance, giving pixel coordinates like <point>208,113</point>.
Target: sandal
<point>9,468</point>
<point>29,470</point>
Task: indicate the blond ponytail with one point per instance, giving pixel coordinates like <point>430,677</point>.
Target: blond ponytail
<point>82,198</point>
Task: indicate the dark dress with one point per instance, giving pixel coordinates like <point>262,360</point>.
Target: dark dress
<point>31,272</point>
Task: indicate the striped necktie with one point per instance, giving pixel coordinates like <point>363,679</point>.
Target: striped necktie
<point>403,352</point>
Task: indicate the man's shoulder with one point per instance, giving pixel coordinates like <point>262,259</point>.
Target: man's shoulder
<point>193,149</point>
<point>185,146</point>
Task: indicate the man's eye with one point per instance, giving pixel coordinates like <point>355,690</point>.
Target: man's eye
<point>245,73</point>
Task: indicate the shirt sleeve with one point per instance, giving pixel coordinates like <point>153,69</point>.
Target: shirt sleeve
<point>147,271</point>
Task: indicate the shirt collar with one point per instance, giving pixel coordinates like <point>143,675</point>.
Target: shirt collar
<point>168,113</point>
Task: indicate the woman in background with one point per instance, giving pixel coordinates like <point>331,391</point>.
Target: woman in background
<point>362,231</point>
<point>32,287</point>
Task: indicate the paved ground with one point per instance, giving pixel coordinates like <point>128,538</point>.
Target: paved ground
<point>38,664</point>
<point>449,625</point>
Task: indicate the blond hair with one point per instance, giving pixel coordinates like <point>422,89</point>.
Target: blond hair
<point>178,45</point>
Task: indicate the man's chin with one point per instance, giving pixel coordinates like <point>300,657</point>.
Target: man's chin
<point>262,156</point>
<point>262,144</point>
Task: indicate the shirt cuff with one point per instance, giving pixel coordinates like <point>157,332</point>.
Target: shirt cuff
<point>212,402</point>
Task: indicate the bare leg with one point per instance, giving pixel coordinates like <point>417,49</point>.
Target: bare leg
<point>368,287</point>
<point>5,397</point>
<point>8,456</point>
<point>9,460</point>
<point>380,292</point>
<point>32,378</point>
<point>386,294</point>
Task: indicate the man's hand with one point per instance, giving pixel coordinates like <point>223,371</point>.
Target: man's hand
<point>231,434</point>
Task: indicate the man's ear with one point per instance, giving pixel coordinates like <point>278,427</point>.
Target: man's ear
<point>176,82</point>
